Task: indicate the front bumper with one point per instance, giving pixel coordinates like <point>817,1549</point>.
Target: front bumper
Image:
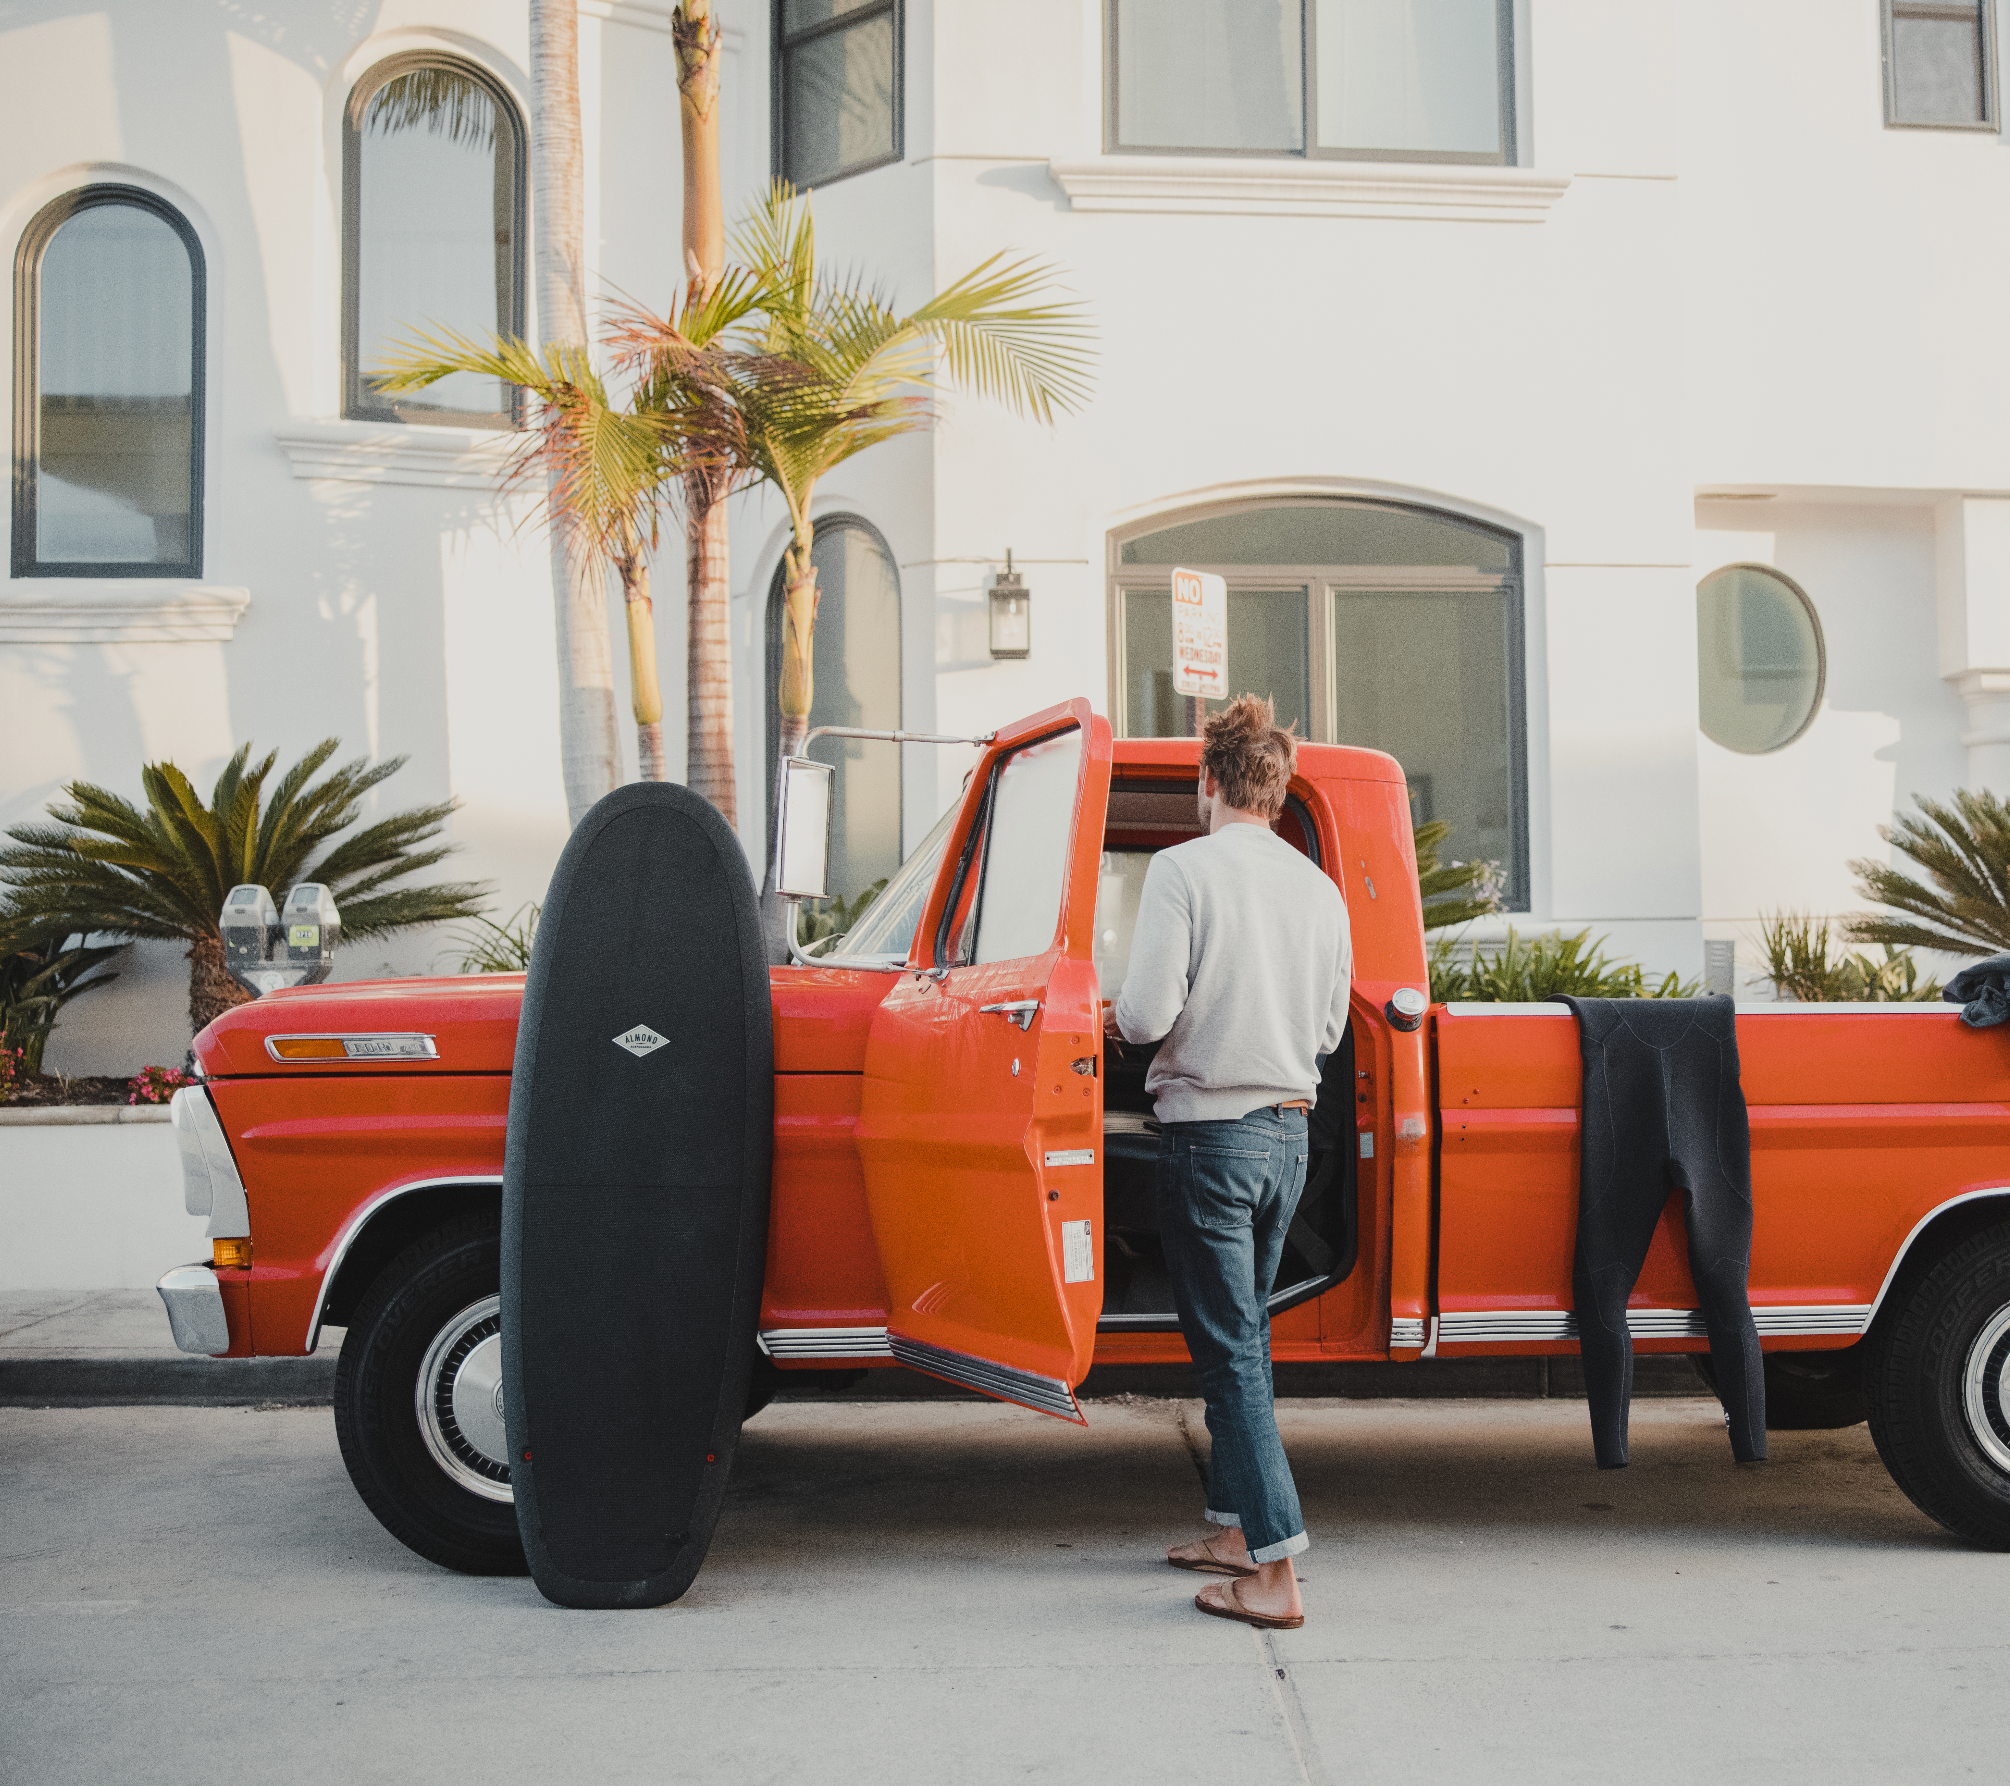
<point>195,1310</point>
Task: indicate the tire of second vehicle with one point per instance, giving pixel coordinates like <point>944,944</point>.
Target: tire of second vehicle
<point>435,1288</point>
<point>1937,1380</point>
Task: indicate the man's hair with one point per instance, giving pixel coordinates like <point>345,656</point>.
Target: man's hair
<point>1249,755</point>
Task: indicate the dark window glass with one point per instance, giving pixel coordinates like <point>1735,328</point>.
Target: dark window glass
<point>837,88</point>
<point>433,164</point>
<point>1406,80</point>
<point>1938,58</point>
<point>855,659</point>
<point>108,305</point>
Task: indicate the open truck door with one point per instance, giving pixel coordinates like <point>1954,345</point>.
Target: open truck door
<point>980,1124</point>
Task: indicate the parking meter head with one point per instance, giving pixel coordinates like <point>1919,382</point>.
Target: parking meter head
<point>803,829</point>
<point>312,927</point>
<point>250,925</point>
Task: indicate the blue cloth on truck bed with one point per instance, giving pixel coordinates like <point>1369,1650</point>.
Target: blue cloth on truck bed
<point>1982,992</point>
<point>1663,1110</point>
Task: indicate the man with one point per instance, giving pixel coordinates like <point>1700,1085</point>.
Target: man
<point>1240,960</point>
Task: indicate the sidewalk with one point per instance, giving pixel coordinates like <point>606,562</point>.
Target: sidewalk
<point>112,1348</point>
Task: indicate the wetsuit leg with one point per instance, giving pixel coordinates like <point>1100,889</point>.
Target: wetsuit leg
<point>1614,1231</point>
<point>1720,1262</point>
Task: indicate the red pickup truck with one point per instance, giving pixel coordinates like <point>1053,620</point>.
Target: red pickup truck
<point>962,1168</point>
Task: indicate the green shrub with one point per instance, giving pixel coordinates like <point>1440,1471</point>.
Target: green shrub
<point>38,977</point>
<point>492,948</point>
<point>1452,892</point>
<point>823,919</point>
<point>1798,962</point>
<point>1527,972</point>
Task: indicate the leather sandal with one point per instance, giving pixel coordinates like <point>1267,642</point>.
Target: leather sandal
<point>1214,1565</point>
<point>1229,1607</point>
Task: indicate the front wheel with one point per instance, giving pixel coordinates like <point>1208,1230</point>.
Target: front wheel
<point>418,1402</point>
<point>1938,1384</point>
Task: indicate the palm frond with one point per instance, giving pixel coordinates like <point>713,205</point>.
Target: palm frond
<point>1964,848</point>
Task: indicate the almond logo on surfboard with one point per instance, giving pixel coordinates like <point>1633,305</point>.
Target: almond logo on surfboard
<point>640,1040</point>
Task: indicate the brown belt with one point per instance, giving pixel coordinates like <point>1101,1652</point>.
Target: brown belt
<point>1294,1104</point>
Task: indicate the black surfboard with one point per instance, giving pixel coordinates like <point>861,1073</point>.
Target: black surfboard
<point>635,1198</point>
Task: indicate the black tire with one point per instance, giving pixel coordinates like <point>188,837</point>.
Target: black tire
<point>1938,1380</point>
<point>432,1313</point>
<point>1806,1391</point>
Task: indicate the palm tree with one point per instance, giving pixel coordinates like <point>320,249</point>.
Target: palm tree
<point>708,754</point>
<point>1965,851</point>
<point>104,866</point>
<point>834,370</point>
<point>587,749</point>
<point>1452,892</point>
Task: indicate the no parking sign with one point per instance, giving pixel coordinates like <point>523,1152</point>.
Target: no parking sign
<point>1200,634</point>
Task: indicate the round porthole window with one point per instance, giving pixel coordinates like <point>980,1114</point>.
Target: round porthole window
<point>1760,662</point>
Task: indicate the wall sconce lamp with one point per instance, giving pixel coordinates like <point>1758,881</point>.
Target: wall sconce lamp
<point>1011,613</point>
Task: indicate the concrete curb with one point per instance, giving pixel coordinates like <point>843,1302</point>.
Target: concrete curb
<point>151,1380</point>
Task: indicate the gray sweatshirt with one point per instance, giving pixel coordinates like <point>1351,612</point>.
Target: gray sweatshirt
<point>1241,960</point>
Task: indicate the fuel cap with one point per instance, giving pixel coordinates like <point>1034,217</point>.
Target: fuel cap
<point>1406,1008</point>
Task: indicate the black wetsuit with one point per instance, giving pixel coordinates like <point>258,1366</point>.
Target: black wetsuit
<point>1663,1111</point>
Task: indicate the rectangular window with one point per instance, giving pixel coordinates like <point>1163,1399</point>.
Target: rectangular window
<point>1383,80</point>
<point>837,88</point>
<point>1940,64</point>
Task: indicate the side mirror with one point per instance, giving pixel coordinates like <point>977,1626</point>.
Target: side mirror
<point>265,950</point>
<point>803,828</point>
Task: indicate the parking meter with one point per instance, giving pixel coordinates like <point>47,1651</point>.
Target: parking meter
<point>250,925</point>
<point>313,928</point>
<point>266,949</point>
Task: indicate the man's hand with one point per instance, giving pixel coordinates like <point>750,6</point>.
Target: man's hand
<point>1110,1021</point>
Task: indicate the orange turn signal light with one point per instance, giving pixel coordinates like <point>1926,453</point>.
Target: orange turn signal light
<point>230,1255</point>
<point>307,1047</point>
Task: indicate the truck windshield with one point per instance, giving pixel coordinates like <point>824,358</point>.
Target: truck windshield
<point>887,929</point>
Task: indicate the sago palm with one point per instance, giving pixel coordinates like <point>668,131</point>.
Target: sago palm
<point>103,865</point>
<point>1965,850</point>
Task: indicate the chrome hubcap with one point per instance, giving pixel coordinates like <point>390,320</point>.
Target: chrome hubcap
<point>460,1401</point>
<point>1985,1389</point>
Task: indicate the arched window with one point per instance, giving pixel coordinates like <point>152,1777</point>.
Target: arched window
<point>108,351</point>
<point>1368,623</point>
<point>856,663</point>
<point>432,231</point>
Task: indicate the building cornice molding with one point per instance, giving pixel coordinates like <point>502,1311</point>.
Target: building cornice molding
<point>118,611</point>
<point>1453,191</point>
<point>391,453</point>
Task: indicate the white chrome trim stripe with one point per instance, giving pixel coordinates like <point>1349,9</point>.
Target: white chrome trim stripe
<point>1045,1395</point>
<point>824,1342</point>
<point>1498,1327</point>
<point>1403,1331</point>
<point>360,1220</point>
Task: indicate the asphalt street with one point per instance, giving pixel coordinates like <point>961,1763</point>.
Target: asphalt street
<point>955,1592</point>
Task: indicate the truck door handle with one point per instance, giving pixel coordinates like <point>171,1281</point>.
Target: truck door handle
<point>1019,1011</point>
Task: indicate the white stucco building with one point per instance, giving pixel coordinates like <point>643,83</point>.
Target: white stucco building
<point>1468,338</point>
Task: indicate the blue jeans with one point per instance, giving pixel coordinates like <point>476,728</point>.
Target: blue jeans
<point>1227,1193</point>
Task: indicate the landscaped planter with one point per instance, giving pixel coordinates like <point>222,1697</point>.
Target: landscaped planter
<point>91,1198</point>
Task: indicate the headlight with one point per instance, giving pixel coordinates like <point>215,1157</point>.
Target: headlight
<point>210,1184</point>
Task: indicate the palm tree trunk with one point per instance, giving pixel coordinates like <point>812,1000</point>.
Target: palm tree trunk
<point>645,691</point>
<point>588,752</point>
<point>800,597</point>
<point>211,990</point>
<point>708,734</point>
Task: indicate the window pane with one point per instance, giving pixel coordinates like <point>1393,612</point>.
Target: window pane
<point>837,106</point>
<point>1268,654</point>
<point>1324,533</point>
<point>1210,74</point>
<point>1936,63</point>
<point>856,663</point>
<point>1758,659</point>
<point>1410,75</point>
<point>438,209</point>
<point>800,15</point>
<point>115,372</point>
<point>1026,854</point>
<point>1425,677</point>
<point>888,925</point>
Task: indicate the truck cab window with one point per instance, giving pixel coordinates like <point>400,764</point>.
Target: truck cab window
<point>1006,903</point>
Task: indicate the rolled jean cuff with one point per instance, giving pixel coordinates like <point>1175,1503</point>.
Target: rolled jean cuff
<point>1276,1553</point>
<point>1223,1519</point>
